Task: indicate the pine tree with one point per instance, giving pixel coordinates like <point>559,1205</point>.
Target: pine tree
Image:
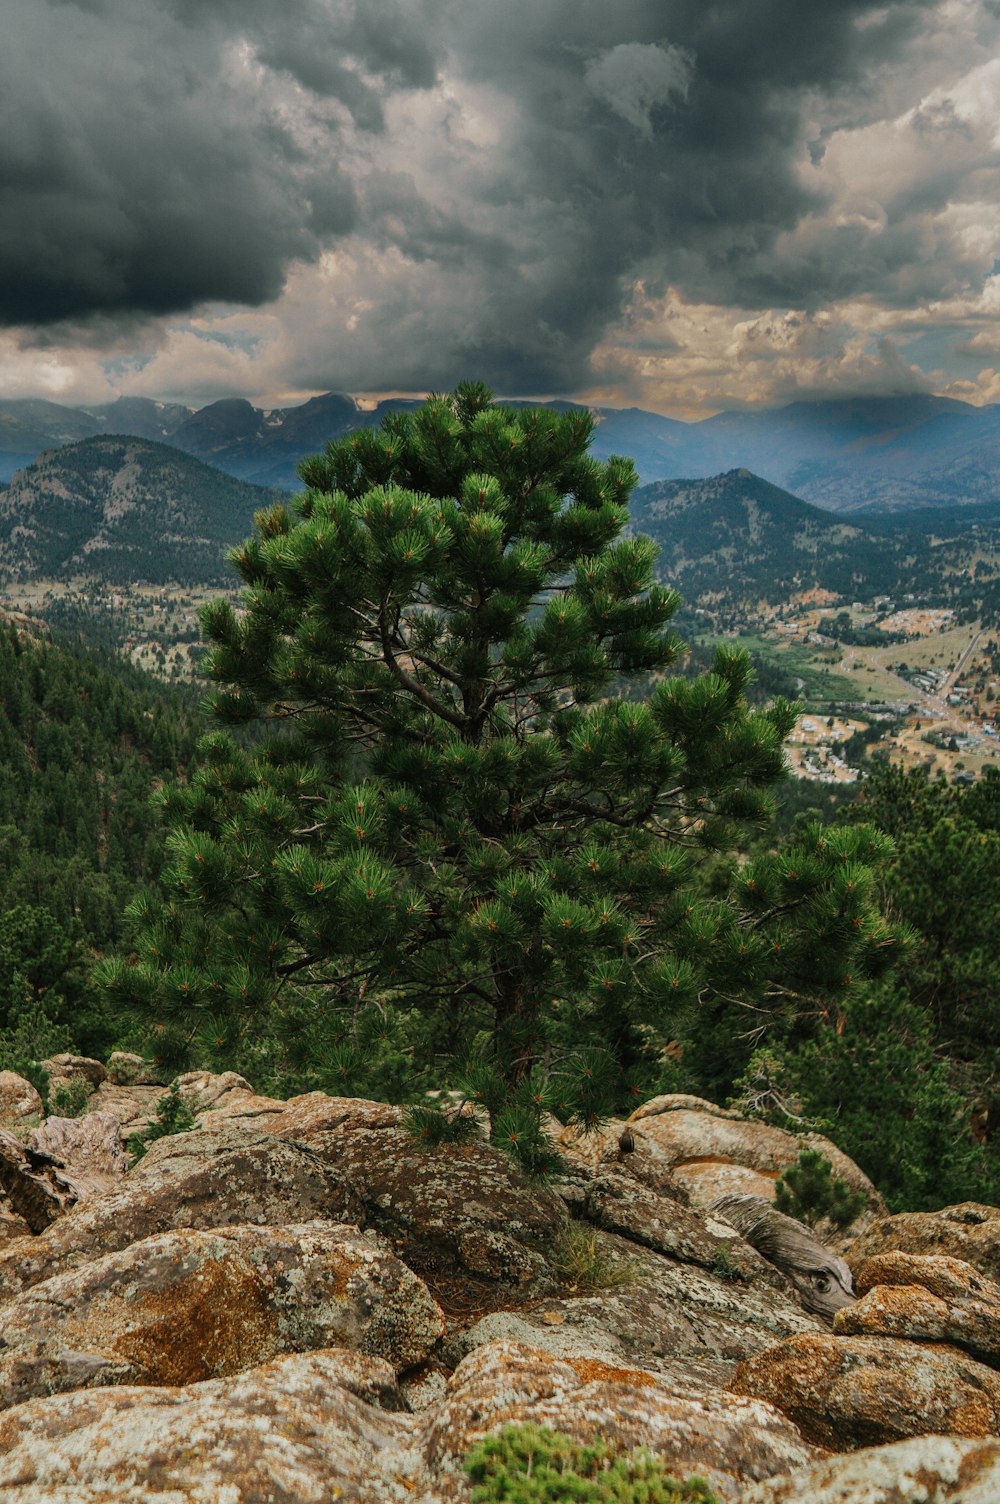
<point>810,1191</point>
<point>460,845</point>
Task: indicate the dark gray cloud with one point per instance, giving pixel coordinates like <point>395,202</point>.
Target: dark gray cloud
<point>158,154</point>
<point>149,162</point>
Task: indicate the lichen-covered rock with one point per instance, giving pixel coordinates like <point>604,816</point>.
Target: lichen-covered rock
<point>929,1298</point>
<point>616,1201</point>
<point>203,1091</point>
<point>11,1225</point>
<point>63,1069</point>
<point>847,1392</point>
<point>671,1319</point>
<point>132,1091</point>
<point>191,1305</point>
<point>20,1103</point>
<point>968,1231</point>
<point>202,1180</point>
<point>134,1105</point>
<point>88,1152</point>
<point>729,1441</point>
<point>926,1470</point>
<point>301,1430</point>
<point>713,1152</point>
<point>304,1116</point>
<point>462,1215</point>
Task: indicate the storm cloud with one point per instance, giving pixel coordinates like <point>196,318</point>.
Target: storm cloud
<point>415,190</point>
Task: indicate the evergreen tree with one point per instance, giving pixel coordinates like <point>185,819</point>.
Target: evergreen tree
<point>453,843</point>
<point>945,881</point>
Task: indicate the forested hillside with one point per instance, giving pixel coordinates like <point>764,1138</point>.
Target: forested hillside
<point>737,537</point>
<point>122,509</point>
<point>83,742</point>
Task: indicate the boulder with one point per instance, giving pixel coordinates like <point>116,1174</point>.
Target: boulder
<point>62,1069</point>
<point>729,1441</point>
<point>714,1152</point>
<point>203,1091</point>
<point>201,1180</point>
<point>307,1429</point>
<point>133,1090</point>
<point>968,1231</point>
<point>927,1298</point>
<point>134,1106</point>
<point>618,1202</point>
<point>655,1313</point>
<point>20,1104</point>
<point>848,1392</point>
<point>462,1215</point>
<point>599,1149</point>
<point>191,1305</point>
<point>11,1225</point>
<point>926,1470</point>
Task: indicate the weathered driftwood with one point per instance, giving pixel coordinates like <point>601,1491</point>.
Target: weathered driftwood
<point>88,1152</point>
<point>822,1279</point>
<point>64,1161</point>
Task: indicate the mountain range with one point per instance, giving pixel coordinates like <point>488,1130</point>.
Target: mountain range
<point>737,538</point>
<point>125,509</point>
<point>887,453</point>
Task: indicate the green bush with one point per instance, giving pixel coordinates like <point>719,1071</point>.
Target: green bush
<point>70,1100</point>
<point>173,1115</point>
<point>532,1465</point>
<point>809,1191</point>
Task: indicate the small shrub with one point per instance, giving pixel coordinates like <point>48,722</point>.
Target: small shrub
<point>809,1191</point>
<point>582,1263</point>
<point>722,1265</point>
<point>70,1098</point>
<point>532,1465</point>
<point>173,1115</point>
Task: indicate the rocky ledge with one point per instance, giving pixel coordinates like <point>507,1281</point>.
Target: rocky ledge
<point>298,1301</point>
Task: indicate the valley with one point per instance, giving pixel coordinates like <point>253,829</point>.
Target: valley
<point>884,623</point>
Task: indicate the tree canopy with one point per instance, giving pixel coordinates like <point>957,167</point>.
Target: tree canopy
<point>464,846</point>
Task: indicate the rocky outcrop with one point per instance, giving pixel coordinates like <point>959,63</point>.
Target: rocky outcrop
<point>968,1231</point>
<point>729,1441</point>
<point>88,1152</point>
<point>846,1392</point>
<point>34,1188</point>
<point>298,1300</point>
<point>309,1429</point>
<point>927,1297</point>
<point>668,1318</point>
<point>20,1104</point>
<point>713,1152</point>
<point>927,1470</point>
<point>206,1180</point>
<point>184,1306</point>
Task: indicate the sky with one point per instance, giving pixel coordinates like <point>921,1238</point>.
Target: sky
<point>681,205</point>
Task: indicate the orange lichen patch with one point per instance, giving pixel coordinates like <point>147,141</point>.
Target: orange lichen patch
<point>593,1371</point>
<point>212,1324</point>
